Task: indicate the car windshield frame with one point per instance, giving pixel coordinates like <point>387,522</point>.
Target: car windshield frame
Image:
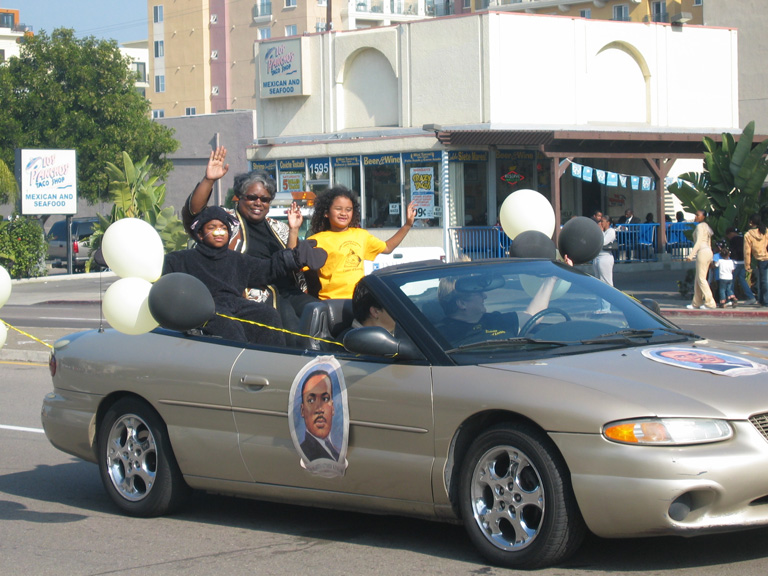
<point>600,316</point>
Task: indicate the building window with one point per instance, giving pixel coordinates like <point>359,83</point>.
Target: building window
<point>262,9</point>
<point>157,12</point>
<point>2,55</point>
<point>265,33</point>
<point>290,3</point>
<point>585,13</point>
<point>142,91</point>
<point>158,114</point>
<point>659,12</point>
<point>291,30</point>
<point>159,48</point>
<point>698,2</point>
<point>322,2</point>
<point>190,111</point>
<point>140,69</point>
<point>160,83</point>
<point>466,4</point>
<point>621,13</point>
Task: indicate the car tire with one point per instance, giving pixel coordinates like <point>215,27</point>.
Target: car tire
<point>516,499</point>
<point>136,462</point>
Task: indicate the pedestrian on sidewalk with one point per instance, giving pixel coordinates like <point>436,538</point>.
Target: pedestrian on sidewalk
<point>736,246</point>
<point>725,268</point>
<point>702,254</point>
<point>756,247</point>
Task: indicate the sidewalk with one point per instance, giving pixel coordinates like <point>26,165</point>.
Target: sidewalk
<point>655,280</point>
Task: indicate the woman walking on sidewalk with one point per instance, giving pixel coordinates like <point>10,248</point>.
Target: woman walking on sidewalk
<point>702,253</point>
<point>756,248</point>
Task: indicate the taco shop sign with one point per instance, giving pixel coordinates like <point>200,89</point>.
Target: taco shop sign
<point>48,180</point>
<point>281,69</point>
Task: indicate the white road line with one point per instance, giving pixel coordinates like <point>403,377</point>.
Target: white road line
<point>22,429</point>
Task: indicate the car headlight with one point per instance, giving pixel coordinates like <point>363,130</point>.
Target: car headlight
<point>667,431</point>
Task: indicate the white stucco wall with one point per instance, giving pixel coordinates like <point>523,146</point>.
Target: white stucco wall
<point>522,70</point>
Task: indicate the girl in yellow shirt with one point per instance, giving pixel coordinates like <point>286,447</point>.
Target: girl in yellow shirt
<point>335,226</point>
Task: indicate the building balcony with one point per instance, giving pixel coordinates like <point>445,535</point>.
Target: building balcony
<point>262,12</point>
<point>388,9</point>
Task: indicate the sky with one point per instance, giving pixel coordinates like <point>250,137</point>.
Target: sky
<point>121,20</point>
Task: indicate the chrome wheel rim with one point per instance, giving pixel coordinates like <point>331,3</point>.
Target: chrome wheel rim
<point>132,457</point>
<point>507,498</point>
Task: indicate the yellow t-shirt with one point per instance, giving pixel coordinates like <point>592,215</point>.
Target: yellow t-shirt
<point>347,252</point>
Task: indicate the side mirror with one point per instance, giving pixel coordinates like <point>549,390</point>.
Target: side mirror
<point>652,305</point>
<point>376,341</point>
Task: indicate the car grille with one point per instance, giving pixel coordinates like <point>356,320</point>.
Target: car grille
<point>760,421</point>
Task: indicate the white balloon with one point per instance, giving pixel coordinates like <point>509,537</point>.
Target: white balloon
<point>3,334</point>
<point>126,306</point>
<point>132,248</point>
<point>527,210</point>
<point>5,286</point>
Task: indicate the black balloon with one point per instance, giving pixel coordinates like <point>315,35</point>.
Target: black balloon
<point>98,257</point>
<point>581,239</point>
<point>533,244</point>
<point>180,301</point>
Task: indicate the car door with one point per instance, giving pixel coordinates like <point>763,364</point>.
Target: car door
<point>389,416</point>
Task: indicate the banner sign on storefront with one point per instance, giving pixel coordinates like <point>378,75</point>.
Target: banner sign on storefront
<point>291,182</point>
<point>319,168</point>
<point>413,157</point>
<point>381,159</point>
<point>291,165</point>
<point>266,165</point>
<point>467,156</point>
<point>48,181</point>
<point>346,161</point>
<point>423,191</point>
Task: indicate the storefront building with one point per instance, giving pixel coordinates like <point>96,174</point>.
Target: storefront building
<point>457,113</point>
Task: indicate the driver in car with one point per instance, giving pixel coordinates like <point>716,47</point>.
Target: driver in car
<point>466,318</point>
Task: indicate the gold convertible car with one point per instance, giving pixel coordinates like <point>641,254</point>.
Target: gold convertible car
<point>522,398</point>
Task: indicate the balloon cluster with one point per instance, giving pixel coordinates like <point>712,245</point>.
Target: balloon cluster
<point>528,219</point>
<point>141,300</point>
<point>5,293</point>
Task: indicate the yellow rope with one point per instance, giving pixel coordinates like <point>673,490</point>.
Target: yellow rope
<point>25,334</point>
<point>267,326</point>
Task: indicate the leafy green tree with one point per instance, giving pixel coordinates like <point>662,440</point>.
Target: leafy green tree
<point>68,93</point>
<point>8,185</point>
<point>731,186</point>
<point>135,192</point>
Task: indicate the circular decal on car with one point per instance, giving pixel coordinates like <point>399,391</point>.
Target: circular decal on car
<point>706,360</point>
<point>318,417</point>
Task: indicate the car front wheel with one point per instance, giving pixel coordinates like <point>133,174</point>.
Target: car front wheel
<point>516,499</point>
<point>136,462</point>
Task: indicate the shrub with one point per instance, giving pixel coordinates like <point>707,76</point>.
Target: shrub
<point>23,247</point>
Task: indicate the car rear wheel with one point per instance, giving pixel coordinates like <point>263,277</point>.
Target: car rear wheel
<point>516,499</point>
<point>136,462</point>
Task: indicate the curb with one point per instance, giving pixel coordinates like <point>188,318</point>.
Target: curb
<point>32,356</point>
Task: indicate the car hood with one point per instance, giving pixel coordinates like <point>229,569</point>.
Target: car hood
<point>638,383</point>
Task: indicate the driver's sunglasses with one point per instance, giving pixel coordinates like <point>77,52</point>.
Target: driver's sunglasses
<point>254,198</point>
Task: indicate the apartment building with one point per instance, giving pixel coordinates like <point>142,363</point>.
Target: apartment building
<point>12,33</point>
<point>677,12</point>
<point>202,51</point>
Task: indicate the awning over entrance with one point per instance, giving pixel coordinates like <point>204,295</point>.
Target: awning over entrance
<point>658,150</point>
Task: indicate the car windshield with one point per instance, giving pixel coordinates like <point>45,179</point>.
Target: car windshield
<point>491,310</point>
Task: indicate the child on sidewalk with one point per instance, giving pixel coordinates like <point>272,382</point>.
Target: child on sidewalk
<point>335,227</point>
<point>726,267</point>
